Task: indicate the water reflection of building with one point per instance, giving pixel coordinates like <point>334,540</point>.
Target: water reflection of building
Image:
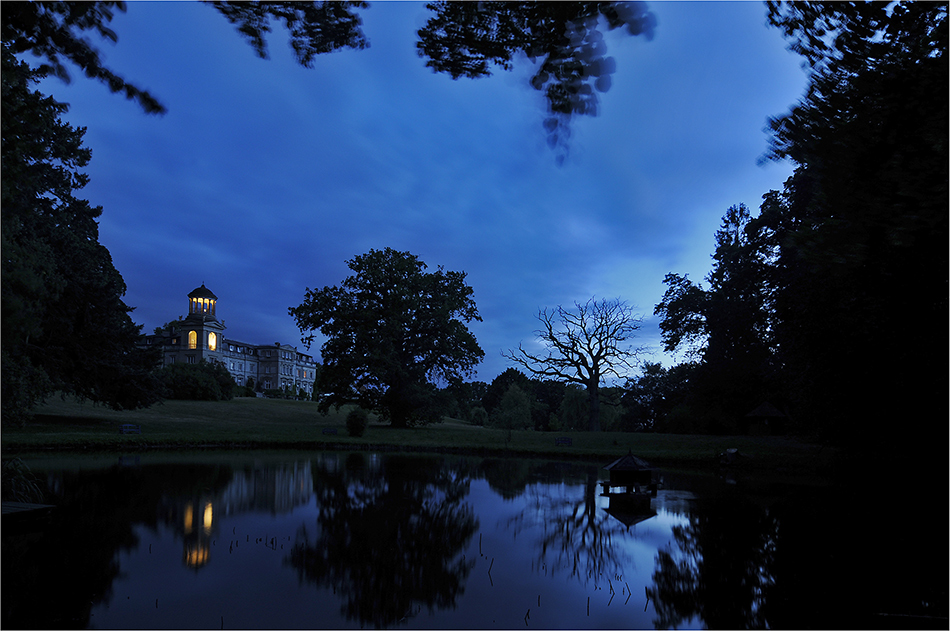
<point>274,489</point>
<point>630,509</point>
<point>632,503</point>
<point>197,523</point>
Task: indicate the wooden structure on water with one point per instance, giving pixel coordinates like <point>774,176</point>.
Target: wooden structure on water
<point>630,475</point>
<point>629,490</point>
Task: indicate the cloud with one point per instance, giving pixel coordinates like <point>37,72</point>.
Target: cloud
<point>264,178</point>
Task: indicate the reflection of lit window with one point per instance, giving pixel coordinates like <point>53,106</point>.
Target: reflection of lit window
<point>196,555</point>
<point>189,518</point>
<point>207,517</point>
<point>192,339</point>
<point>212,341</point>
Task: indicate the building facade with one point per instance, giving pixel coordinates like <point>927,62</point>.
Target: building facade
<point>200,336</point>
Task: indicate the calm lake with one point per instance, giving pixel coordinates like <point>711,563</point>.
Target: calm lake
<point>342,540</point>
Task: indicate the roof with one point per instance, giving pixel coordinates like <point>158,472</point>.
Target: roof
<point>202,292</point>
<point>628,463</point>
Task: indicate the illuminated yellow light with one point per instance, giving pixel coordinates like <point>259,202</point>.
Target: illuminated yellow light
<point>189,518</point>
<point>212,341</point>
<point>207,516</point>
<point>192,339</point>
<point>197,556</point>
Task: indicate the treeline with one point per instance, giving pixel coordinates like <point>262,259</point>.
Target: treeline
<point>825,302</point>
<point>819,311</point>
<point>514,401</point>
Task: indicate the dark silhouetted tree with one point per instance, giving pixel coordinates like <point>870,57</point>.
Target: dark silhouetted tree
<point>861,227</point>
<point>548,394</point>
<point>499,386</point>
<point>584,346</point>
<point>461,39</point>
<point>514,411</point>
<point>730,326</point>
<point>204,381</point>
<point>64,324</point>
<point>465,39</point>
<point>57,32</point>
<point>649,399</point>
<point>392,331</point>
<point>315,28</point>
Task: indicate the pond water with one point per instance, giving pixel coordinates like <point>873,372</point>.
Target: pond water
<point>342,540</point>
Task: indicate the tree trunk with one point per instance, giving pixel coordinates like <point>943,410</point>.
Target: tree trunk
<point>593,400</point>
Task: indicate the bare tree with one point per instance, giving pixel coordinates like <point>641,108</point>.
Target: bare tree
<point>584,346</point>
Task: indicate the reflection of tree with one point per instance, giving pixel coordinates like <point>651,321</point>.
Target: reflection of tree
<point>389,538</point>
<point>721,570</point>
<point>60,573</point>
<point>575,535</point>
<point>507,476</point>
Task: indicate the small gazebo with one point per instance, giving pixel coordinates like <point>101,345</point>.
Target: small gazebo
<point>630,473</point>
<point>766,419</point>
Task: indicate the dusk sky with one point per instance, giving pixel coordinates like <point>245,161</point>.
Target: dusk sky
<point>265,177</point>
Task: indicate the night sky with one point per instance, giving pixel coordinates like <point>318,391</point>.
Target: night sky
<point>265,177</point>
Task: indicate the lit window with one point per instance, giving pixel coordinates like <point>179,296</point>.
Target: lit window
<point>207,517</point>
<point>212,342</point>
<point>192,339</point>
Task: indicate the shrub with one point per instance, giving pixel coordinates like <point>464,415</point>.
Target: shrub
<point>203,381</point>
<point>356,422</point>
<point>514,411</point>
<point>573,412</point>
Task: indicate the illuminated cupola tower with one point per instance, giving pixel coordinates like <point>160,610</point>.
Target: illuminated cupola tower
<point>201,302</point>
<point>202,333</point>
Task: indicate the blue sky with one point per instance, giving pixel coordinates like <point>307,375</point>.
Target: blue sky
<point>264,177</point>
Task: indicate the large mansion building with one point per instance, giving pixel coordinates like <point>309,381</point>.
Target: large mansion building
<point>200,336</point>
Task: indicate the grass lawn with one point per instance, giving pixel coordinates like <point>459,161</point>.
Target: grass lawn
<point>255,423</point>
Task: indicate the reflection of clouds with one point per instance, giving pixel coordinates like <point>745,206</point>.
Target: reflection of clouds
<point>576,533</point>
<point>674,501</point>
